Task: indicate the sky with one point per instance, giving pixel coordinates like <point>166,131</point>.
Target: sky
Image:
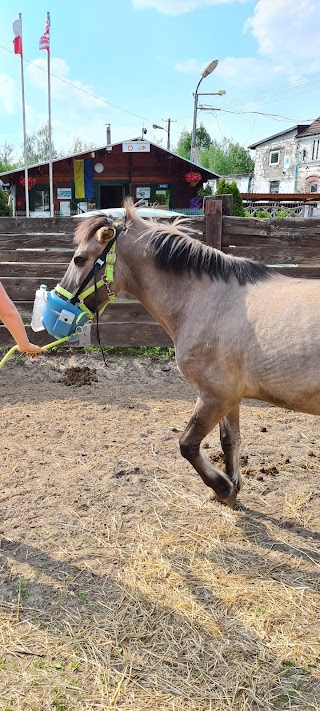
<point>133,63</point>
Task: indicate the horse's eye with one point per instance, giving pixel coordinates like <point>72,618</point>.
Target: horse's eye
<point>79,261</point>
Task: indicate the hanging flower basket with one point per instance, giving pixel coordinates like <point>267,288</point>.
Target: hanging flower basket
<point>31,182</point>
<point>193,178</point>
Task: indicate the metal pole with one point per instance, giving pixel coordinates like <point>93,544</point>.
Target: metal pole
<point>24,130</point>
<point>49,128</point>
<point>168,139</point>
<point>194,152</point>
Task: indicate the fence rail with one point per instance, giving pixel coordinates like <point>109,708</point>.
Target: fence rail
<point>38,250</point>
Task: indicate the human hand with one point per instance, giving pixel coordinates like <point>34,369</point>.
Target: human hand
<point>30,348</point>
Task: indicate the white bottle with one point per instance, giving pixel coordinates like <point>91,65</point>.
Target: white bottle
<point>38,304</point>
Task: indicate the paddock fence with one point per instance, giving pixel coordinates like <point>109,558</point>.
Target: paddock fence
<point>37,250</point>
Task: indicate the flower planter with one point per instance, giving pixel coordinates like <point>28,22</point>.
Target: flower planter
<point>193,183</point>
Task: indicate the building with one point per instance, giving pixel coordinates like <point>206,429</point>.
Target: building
<point>102,177</point>
<point>277,162</point>
<point>308,149</point>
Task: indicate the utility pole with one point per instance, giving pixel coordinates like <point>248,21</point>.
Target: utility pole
<point>168,121</point>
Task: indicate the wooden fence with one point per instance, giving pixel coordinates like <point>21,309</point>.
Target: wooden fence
<point>34,251</point>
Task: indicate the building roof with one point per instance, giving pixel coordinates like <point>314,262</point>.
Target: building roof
<point>311,130</point>
<point>101,148</point>
<point>299,128</point>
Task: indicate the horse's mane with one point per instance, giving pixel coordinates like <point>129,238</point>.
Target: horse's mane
<point>173,248</point>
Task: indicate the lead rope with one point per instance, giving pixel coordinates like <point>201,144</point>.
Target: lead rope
<point>96,269</point>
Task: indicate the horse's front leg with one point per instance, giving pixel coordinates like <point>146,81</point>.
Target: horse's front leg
<point>207,413</point>
<point>230,442</point>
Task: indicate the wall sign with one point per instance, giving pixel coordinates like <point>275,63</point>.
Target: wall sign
<point>65,208</point>
<point>143,193</point>
<point>163,186</point>
<point>64,194</point>
<point>136,147</point>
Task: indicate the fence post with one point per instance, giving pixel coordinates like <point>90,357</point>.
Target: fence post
<point>215,206</point>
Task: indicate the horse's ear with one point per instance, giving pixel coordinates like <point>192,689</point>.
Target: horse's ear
<point>105,234</point>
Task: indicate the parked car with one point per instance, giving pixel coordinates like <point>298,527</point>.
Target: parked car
<point>146,212</point>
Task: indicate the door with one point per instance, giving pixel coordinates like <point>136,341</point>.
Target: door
<point>111,196</point>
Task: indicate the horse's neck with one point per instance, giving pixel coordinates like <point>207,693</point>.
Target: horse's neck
<point>159,290</point>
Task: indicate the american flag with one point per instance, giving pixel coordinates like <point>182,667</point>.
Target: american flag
<point>44,42</point>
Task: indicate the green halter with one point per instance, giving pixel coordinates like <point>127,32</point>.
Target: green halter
<point>106,280</point>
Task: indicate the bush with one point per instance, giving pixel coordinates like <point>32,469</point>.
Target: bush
<point>225,188</point>
<point>261,213</point>
<point>204,191</point>
<point>5,210</point>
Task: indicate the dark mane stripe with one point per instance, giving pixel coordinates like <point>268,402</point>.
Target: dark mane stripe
<point>179,253</point>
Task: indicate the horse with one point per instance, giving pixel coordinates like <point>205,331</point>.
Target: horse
<point>240,329</point>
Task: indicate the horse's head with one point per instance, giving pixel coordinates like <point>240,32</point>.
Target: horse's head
<point>90,281</point>
<point>93,237</point>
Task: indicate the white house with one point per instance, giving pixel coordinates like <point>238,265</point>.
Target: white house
<point>308,149</point>
<point>277,162</point>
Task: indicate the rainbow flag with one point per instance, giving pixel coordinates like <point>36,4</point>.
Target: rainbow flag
<point>83,178</point>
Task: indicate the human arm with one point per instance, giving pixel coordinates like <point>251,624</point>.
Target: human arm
<point>13,322</point>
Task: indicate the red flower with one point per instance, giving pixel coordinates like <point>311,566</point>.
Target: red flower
<point>193,177</point>
<point>31,182</point>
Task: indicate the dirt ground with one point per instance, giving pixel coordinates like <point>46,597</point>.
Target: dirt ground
<point>121,585</point>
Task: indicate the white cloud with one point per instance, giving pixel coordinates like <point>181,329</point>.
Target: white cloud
<point>288,31</point>
<point>179,7</point>
<point>244,71</point>
<point>8,93</point>
<point>66,90</point>
<point>189,66</point>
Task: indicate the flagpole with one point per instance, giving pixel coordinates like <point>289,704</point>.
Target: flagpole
<point>50,131</point>
<point>24,129</point>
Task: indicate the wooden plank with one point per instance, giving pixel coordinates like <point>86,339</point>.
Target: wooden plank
<point>244,240</point>
<point>213,217</point>
<point>295,226</point>
<point>40,338</point>
<point>13,269</point>
<point>36,256</point>
<point>24,289</point>
<point>32,241</point>
<point>23,225</point>
<point>306,271</point>
<point>146,334</point>
<point>276,255</point>
<point>119,311</point>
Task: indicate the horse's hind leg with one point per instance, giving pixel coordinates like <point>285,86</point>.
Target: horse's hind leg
<point>230,442</point>
<point>206,416</point>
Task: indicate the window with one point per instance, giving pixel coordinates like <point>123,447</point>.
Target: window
<point>313,187</point>
<point>316,150</point>
<point>274,157</point>
<point>274,186</point>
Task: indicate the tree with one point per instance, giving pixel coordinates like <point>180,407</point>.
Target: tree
<point>223,157</point>
<point>203,141</point>
<point>37,145</point>
<point>6,158</point>
<point>4,207</point>
<point>225,188</point>
<point>80,146</point>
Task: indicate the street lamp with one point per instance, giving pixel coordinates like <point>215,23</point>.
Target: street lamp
<point>208,69</point>
<point>167,130</point>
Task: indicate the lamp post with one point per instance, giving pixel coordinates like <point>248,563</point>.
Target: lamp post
<point>167,130</point>
<point>208,69</point>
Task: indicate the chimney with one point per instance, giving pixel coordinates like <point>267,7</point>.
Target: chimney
<point>108,128</point>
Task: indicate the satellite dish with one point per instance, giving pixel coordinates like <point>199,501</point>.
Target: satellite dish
<point>99,167</point>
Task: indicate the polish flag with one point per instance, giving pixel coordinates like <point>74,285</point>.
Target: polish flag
<point>17,41</point>
<point>44,42</point>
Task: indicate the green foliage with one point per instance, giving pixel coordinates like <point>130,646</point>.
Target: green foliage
<point>203,141</point>
<point>5,210</point>
<point>261,213</point>
<point>37,145</point>
<point>223,157</point>
<point>225,188</point>
<point>204,191</point>
<point>6,158</point>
